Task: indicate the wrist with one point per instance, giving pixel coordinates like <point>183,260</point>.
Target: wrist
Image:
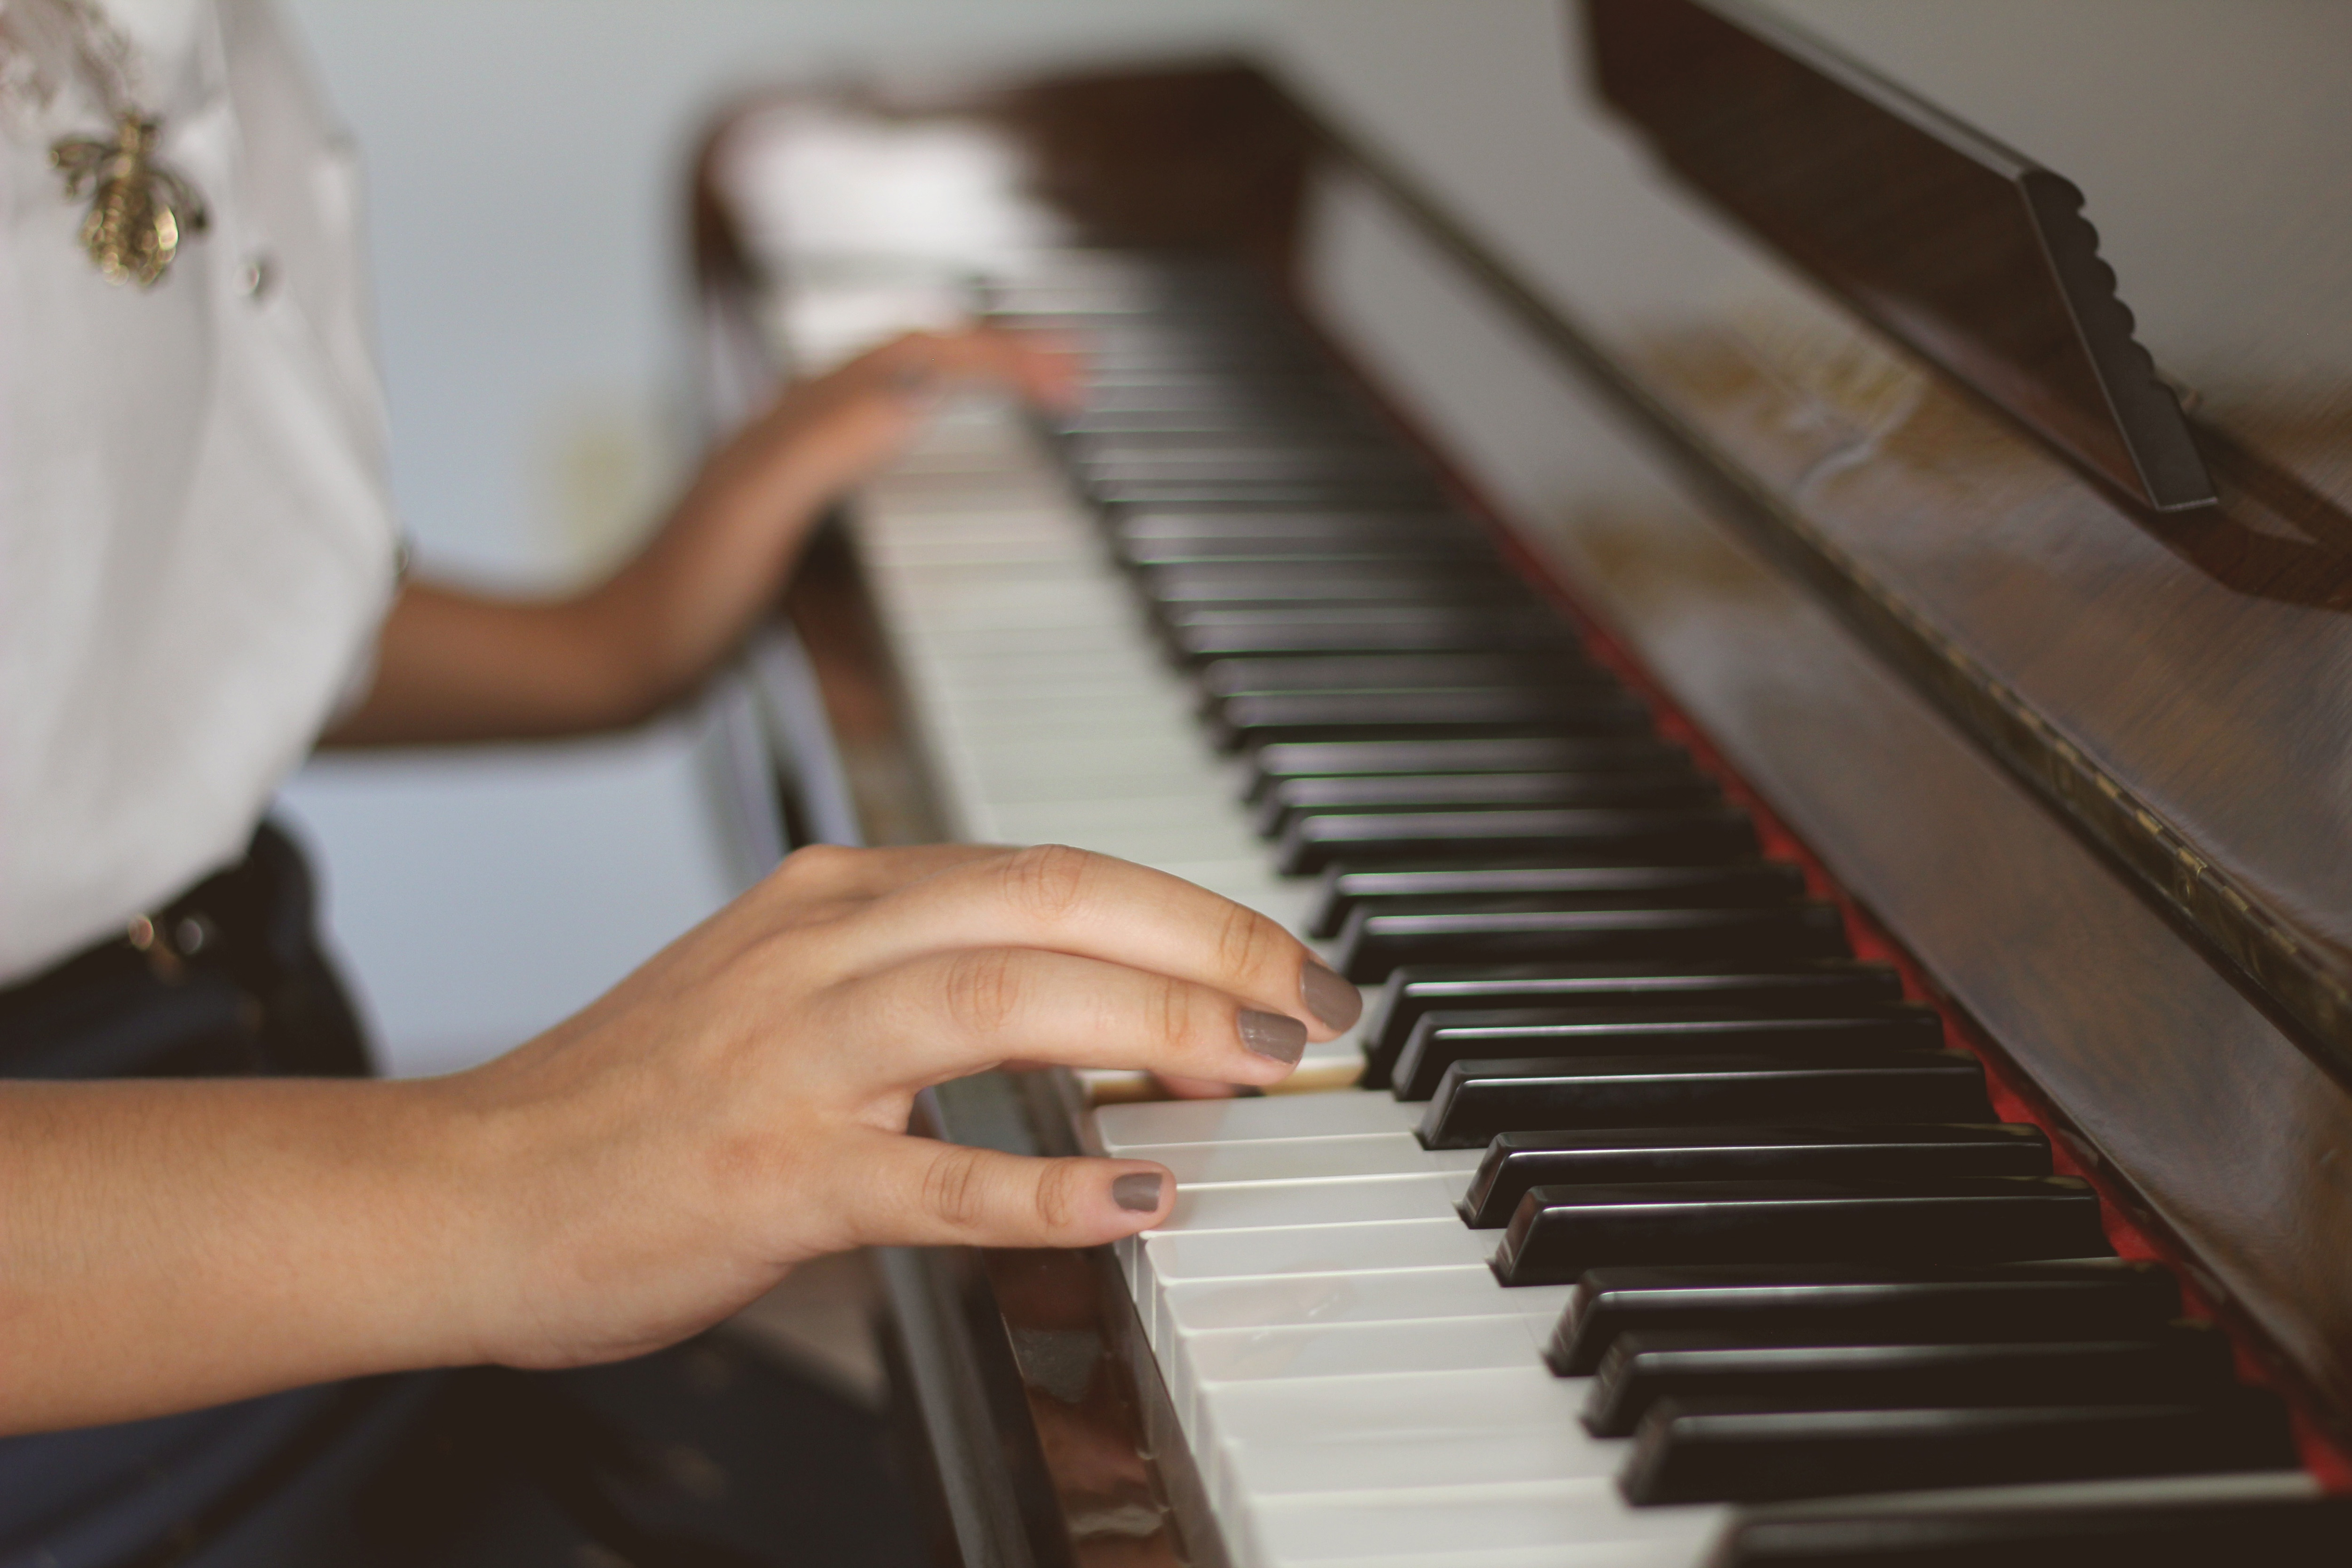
<point>478,1164</point>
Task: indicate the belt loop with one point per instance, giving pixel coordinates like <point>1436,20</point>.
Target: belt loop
<point>169,941</point>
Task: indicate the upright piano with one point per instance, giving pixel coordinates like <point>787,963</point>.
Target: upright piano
<point>1830,759</point>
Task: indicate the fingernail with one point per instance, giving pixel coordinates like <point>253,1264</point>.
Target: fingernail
<point>1137,1192</point>
<point>1276,1035</point>
<point>1329,997</point>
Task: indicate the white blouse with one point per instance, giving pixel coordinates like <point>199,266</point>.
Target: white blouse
<point>197,545</point>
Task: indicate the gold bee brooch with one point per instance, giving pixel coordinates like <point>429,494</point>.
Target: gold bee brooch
<point>140,211</point>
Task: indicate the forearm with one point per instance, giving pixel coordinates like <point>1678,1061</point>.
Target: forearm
<point>455,665</point>
<point>166,1246</point>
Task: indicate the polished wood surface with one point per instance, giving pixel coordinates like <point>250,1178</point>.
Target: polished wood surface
<point>1968,251</point>
<point>2175,683</point>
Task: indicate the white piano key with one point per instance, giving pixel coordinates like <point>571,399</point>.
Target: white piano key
<point>1167,1257</point>
<point>1534,1514</point>
<point>1285,1205</point>
<point>1204,1363</point>
<point>1564,1554</point>
<point>1068,758</point>
<point>1260,1160</point>
<point>1351,1113</point>
<point>1326,1471</point>
<point>1312,1351</point>
<point>1020,605</point>
<point>1398,1405</point>
<point>1010,718</point>
<point>1380,1297</point>
<point>1341,1464</point>
<point>1016,786</point>
<point>1143,829</point>
<point>1159,1259</point>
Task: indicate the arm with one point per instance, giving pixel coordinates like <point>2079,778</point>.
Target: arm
<point>735,1107</point>
<point>458,666</point>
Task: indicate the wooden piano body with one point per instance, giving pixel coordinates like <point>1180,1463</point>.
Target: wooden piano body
<point>2076,749</point>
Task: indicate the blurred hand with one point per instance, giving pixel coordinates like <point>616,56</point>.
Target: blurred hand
<point>457,665</point>
<point>740,1104</point>
<point>834,430</point>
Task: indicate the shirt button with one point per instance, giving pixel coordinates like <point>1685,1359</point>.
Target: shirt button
<point>258,277</point>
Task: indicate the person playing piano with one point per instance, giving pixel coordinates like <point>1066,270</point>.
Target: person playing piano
<point>228,1259</point>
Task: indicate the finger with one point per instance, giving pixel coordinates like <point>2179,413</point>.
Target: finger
<point>911,1192</point>
<point>1045,369</point>
<point>947,1014</point>
<point>1173,1085</point>
<point>1067,901</point>
<point>1181,1088</point>
<point>824,872</point>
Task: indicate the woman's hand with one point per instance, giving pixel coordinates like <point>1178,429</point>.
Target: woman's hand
<point>639,1172</point>
<point>454,665</point>
<point>740,1104</point>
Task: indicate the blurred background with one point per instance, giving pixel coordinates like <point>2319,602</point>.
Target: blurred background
<point>525,162</point>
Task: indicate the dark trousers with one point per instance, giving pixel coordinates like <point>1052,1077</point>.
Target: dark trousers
<point>706,1454</point>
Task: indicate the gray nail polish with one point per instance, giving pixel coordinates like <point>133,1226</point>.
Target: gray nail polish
<point>1276,1035</point>
<point>1329,997</point>
<point>1137,1192</point>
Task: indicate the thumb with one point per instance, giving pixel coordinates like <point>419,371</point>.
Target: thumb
<point>913,1192</point>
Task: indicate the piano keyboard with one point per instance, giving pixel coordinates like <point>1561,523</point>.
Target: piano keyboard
<point>1635,1198</point>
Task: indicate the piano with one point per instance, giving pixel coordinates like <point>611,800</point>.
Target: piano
<point>1828,755</point>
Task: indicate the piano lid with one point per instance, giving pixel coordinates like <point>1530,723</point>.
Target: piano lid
<point>1972,253</point>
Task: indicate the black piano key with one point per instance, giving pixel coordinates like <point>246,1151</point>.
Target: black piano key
<point>1273,439</point>
<point>1401,491</point>
<point>1672,836</point>
<point>1585,709</point>
<point>1344,888</point>
<point>1691,1453</point>
<point>1181,525</point>
<point>1373,945</point>
<point>1270,439</point>
<point>2150,1531</point>
<point>1414,889</point>
<point>1204,635</point>
<point>1558,1233</point>
<point>1166,392</point>
<point>1860,1304</point>
<point>1477,1099</point>
<point>1294,797</point>
<point>1146,537</point>
<point>1318,464</point>
<point>1272,765</point>
<point>1391,672</point>
<point>1518,1161</point>
<point>1115,355</point>
<point>2182,1361</point>
<point>1316,416</point>
<point>1438,553</point>
<point>1443,1038</point>
<point>1417,989</point>
<point>1315,583</point>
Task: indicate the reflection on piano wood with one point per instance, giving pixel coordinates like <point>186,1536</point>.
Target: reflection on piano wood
<point>1668,1208</point>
